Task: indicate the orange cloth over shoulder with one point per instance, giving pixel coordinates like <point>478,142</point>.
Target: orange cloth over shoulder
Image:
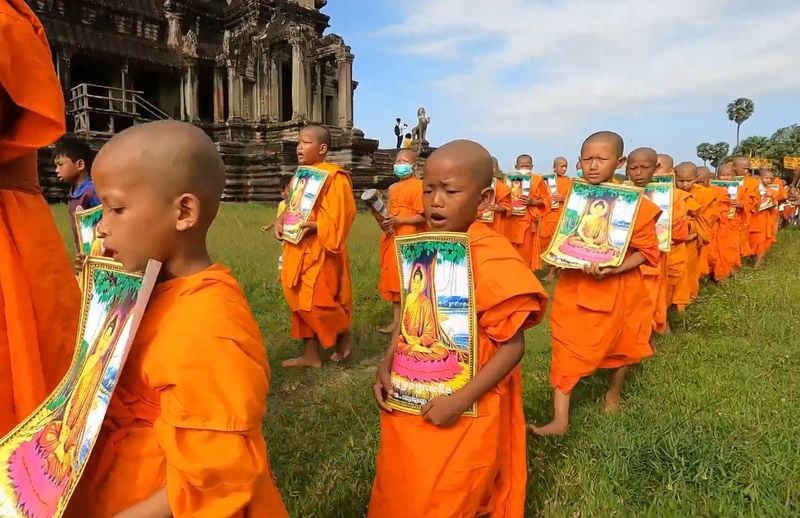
<point>607,323</point>
<point>187,412</point>
<point>477,466</point>
<point>703,215</point>
<point>676,258</point>
<point>706,256</point>
<point>404,201</point>
<point>316,272</point>
<point>547,227</point>
<point>539,191</point>
<point>502,197</point>
<point>750,202</point>
<point>763,226</point>
<point>40,299</point>
<point>725,247</point>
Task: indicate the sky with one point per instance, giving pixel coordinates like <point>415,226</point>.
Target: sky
<point>539,76</point>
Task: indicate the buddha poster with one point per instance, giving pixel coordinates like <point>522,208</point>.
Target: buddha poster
<point>487,216</point>
<point>552,185</point>
<point>435,352</point>
<point>661,194</point>
<point>766,199</point>
<point>86,222</point>
<point>595,226</point>
<point>732,188</point>
<point>42,459</point>
<point>303,193</point>
<point>520,185</point>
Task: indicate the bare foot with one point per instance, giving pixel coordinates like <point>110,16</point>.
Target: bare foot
<point>343,344</point>
<point>387,330</point>
<point>612,405</point>
<point>552,428</point>
<point>340,357</point>
<point>301,361</point>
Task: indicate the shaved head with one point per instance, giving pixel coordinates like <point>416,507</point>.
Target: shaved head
<point>607,137</point>
<point>559,160</point>
<point>171,158</point>
<point>645,154</point>
<point>703,175</point>
<point>741,166</point>
<point>320,133</point>
<point>665,165</point>
<point>470,157</point>
<point>686,168</point>
<point>408,155</point>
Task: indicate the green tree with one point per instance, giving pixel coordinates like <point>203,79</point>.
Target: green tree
<point>705,152</point>
<point>739,111</point>
<point>719,152</point>
<point>786,142</point>
<point>756,146</point>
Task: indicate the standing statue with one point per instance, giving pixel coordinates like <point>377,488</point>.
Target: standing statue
<point>420,131</point>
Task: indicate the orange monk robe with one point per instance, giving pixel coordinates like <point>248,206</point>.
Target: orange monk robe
<point>750,202</point>
<point>604,324</point>
<point>762,226</point>
<point>656,277</point>
<point>188,409</point>
<point>316,272</point>
<point>477,466</point>
<point>676,258</point>
<point>539,191</point>
<point>547,227</point>
<point>703,215</point>
<point>502,197</point>
<point>781,195</point>
<point>40,299</point>
<point>707,254</point>
<point>725,246</point>
<point>404,201</point>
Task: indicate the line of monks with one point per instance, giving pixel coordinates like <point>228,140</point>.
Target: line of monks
<point>182,435</point>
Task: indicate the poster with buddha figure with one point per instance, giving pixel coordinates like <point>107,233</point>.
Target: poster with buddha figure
<point>595,226</point>
<point>42,459</point>
<point>86,222</point>
<point>520,185</point>
<point>303,193</point>
<point>436,348</point>
<point>732,188</point>
<point>661,194</point>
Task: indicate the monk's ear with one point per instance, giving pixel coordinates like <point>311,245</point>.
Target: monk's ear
<point>487,197</point>
<point>188,211</point>
<point>323,149</point>
<point>622,161</point>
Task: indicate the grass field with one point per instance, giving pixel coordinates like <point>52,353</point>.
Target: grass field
<point>709,427</point>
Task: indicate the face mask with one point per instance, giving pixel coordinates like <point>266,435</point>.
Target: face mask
<point>524,171</point>
<point>403,170</point>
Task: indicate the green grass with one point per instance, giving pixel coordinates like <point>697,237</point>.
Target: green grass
<point>709,428</point>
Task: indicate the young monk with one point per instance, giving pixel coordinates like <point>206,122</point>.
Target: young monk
<point>704,176</point>
<point>316,272</point>
<point>40,302</point>
<point>550,219</point>
<point>501,208</point>
<point>665,165</point>
<point>676,258</point>
<point>725,246</point>
<point>522,229</point>
<point>406,216</point>
<point>640,168</point>
<point>704,261</point>
<point>762,222</point>
<point>703,215</point>
<point>601,318</point>
<point>182,435</point>
<point>440,463</point>
<point>741,167</point>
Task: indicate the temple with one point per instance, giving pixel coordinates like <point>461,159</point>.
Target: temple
<point>251,73</point>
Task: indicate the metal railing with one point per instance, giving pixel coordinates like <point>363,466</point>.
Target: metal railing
<point>89,102</point>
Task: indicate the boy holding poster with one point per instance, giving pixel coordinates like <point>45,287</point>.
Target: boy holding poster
<point>316,269</point>
<point>498,211</point>
<point>609,301</point>
<point>440,462</point>
<point>404,206</point>
<point>182,435</point>
<point>762,223</point>
<point>558,185</point>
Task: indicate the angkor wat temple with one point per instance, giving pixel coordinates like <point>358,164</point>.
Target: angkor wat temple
<point>249,72</point>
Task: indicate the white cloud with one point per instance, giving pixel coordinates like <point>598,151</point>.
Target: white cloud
<point>543,68</point>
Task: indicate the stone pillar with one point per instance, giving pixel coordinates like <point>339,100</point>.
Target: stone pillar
<point>299,83</point>
<point>183,97</point>
<point>233,97</point>
<point>190,92</point>
<point>63,68</point>
<point>173,29</point>
<point>128,102</point>
<point>345,62</point>
<point>219,94</point>
<point>262,84</point>
<point>316,111</point>
<point>274,89</point>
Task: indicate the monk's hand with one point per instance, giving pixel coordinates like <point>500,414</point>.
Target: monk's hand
<point>80,261</point>
<point>309,226</point>
<point>387,225</point>
<point>444,411</point>
<point>382,387</point>
<point>692,237</point>
<point>525,200</point>
<point>557,198</point>
<point>597,271</point>
<point>278,230</point>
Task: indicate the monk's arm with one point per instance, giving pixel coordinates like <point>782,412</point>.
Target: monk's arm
<point>410,220</point>
<point>508,355</point>
<point>634,260</point>
<point>155,506</point>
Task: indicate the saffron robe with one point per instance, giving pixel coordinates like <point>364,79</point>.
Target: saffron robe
<point>40,300</point>
<point>547,227</point>
<point>478,465</point>
<point>676,258</point>
<point>188,410</point>
<point>502,197</point>
<point>606,323</point>
<point>703,215</point>
<point>762,231</point>
<point>725,252</point>
<point>656,278</point>
<point>706,253</point>
<point>404,201</point>
<point>750,202</point>
<point>316,272</point>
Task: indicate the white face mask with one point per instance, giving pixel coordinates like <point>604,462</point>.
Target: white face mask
<point>524,171</point>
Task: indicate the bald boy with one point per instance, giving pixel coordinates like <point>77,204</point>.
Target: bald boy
<point>665,165</point>
<point>192,395</point>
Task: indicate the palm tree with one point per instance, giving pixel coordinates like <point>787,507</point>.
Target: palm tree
<point>719,152</point>
<point>705,152</point>
<point>739,111</point>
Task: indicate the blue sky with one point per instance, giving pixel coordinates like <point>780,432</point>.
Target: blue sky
<point>538,76</point>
